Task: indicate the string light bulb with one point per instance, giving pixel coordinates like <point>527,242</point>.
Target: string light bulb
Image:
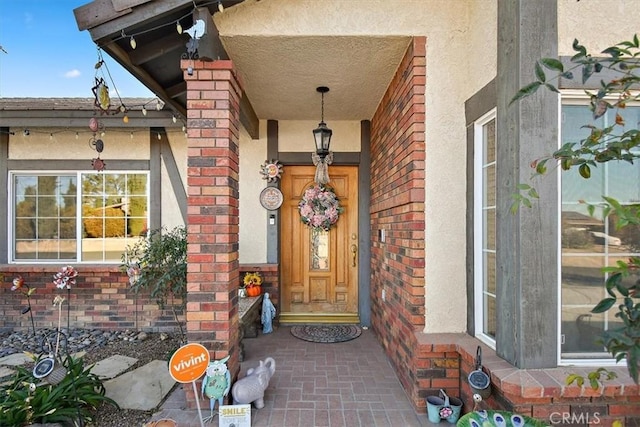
<point>77,136</point>
<point>220,6</point>
<point>131,135</point>
<point>174,119</point>
<point>125,119</point>
<point>51,137</point>
<point>184,128</point>
<point>158,106</point>
<point>159,137</point>
<point>144,111</point>
<point>132,42</point>
<point>178,27</point>
<point>102,133</point>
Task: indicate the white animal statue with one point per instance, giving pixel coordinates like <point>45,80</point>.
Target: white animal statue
<point>251,388</point>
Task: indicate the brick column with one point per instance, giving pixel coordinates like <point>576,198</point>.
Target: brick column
<point>213,118</point>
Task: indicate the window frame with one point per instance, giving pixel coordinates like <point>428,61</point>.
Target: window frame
<point>573,97</point>
<point>479,225</point>
<point>11,212</point>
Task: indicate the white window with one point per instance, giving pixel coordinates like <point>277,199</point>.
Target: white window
<point>76,216</point>
<point>485,228</point>
<point>589,243</point>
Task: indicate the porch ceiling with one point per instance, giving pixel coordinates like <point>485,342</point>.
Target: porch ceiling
<point>279,74</point>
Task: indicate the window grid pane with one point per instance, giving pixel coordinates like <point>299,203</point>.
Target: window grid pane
<point>113,213</point>
<point>44,205</point>
<point>592,242</point>
<point>485,235</point>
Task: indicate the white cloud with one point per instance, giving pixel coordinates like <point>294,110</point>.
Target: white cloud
<point>72,74</point>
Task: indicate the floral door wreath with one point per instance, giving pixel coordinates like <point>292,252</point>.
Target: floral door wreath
<point>319,207</point>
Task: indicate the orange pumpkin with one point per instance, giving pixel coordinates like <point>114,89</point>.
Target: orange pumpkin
<point>254,291</point>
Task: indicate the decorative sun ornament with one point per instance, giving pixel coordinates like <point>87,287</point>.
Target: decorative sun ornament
<point>271,171</point>
<point>101,95</point>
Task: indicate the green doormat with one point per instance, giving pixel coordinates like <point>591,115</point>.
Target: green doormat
<point>326,333</point>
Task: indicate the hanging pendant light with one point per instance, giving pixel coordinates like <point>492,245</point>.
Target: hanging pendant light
<point>322,158</point>
<point>322,134</point>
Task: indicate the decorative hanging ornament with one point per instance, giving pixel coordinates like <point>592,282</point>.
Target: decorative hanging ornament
<point>319,207</point>
<point>322,167</point>
<point>97,144</point>
<point>101,95</point>
<point>271,171</point>
<point>94,124</point>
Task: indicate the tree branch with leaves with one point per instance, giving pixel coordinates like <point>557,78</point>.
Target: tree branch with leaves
<point>619,142</point>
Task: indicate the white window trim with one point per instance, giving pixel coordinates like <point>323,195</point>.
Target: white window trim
<point>478,226</point>
<point>570,97</point>
<point>78,173</point>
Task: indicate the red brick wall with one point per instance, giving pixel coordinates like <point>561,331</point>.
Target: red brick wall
<point>270,281</point>
<point>101,298</point>
<point>213,120</point>
<point>397,206</point>
<point>445,361</point>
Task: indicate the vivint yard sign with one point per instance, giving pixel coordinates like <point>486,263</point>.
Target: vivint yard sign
<point>189,362</point>
<point>187,365</point>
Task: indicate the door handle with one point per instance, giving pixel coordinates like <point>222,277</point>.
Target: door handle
<point>354,253</point>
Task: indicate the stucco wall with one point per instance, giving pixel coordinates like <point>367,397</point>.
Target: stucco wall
<point>461,59</point>
<point>126,144</point>
<point>171,216</point>
<point>253,217</point>
<point>61,144</point>
<point>297,136</point>
<point>596,24</point>
<point>452,77</point>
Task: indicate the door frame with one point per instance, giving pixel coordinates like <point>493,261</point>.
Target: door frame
<point>361,159</point>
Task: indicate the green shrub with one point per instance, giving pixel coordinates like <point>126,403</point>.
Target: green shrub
<point>27,400</point>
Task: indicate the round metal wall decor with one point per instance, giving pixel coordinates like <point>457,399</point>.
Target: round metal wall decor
<point>271,198</point>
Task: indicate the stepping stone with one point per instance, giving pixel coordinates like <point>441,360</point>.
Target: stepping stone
<point>113,366</point>
<point>143,388</point>
<point>15,359</point>
<point>5,372</point>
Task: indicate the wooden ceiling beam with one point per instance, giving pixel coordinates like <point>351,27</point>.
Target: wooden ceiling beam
<point>97,12</point>
<point>209,45</point>
<point>157,48</point>
<point>248,117</point>
<point>102,28</point>
<point>141,74</point>
<point>177,89</point>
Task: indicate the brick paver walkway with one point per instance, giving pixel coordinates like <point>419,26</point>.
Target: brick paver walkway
<point>316,385</point>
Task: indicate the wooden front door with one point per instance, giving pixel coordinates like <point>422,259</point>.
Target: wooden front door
<point>319,268</point>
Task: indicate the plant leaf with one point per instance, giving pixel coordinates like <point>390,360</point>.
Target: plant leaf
<point>540,72</point>
<point>529,89</point>
<point>553,64</point>
<point>604,305</point>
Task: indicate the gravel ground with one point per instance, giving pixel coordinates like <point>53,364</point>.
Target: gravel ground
<point>155,346</point>
<point>152,348</point>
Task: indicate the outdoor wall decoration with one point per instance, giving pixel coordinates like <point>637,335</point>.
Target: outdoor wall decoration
<point>97,163</point>
<point>271,170</point>
<point>319,207</point>
<point>271,198</point>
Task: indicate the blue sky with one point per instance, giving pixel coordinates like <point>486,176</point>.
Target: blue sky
<point>47,56</point>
